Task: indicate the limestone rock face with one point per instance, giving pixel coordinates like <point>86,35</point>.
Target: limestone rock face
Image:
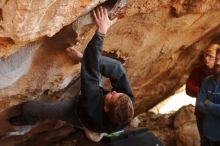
<point>186,128</point>
<point>25,21</point>
<point>160,125</point>
<point>181,7</point>
<point>159,42</point>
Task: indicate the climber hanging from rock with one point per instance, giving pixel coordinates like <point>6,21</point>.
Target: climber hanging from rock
<point>95,110</point>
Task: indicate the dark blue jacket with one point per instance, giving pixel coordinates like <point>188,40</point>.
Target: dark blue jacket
<point>211,123</point>
<point>91,101</point>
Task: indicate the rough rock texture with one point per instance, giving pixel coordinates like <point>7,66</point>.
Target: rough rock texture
<point>186,128</point>
<point>177,129</point>
<point>159,42</point>
<point>24,21</point>
<point>160,125</point>
<point>18,64</point>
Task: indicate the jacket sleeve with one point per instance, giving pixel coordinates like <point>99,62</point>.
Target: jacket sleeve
<point>90,74</point>
<point>192,86</point>
<point>213,108</point>
<point>113,69</point>
<point>210,108</point>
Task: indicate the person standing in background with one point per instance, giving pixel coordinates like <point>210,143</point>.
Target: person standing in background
<point>194,82</point>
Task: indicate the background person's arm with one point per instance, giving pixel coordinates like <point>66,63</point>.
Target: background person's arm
<point>200,106</point>
<point>212,108</point>
<point>192,86</point>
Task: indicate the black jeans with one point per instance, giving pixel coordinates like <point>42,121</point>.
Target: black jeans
<point>199,120</point>
<point>65,110</point>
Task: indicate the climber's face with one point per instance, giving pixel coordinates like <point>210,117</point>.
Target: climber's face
<point>111,98</point>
